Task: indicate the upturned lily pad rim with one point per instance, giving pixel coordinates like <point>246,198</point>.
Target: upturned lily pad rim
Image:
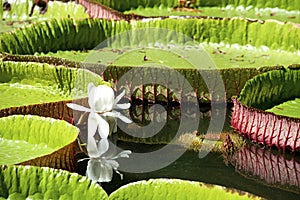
<point>171,3</point>
<point>253,109</point>
<point>56,82</point>
<point>47,183</point>
<point>167,183</point>
<point>269,79</point>
<point>279,131</point>
<point>37,130</point>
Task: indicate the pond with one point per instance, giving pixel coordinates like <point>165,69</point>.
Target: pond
<point>213,168</point>
<point>170,140</point>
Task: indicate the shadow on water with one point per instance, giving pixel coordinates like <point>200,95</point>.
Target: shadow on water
<point>251,168</point>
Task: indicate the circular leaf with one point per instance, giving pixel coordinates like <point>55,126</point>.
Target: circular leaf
<point>26,137</point>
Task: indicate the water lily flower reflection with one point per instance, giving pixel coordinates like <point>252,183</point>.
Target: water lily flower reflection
<point>100,166</point>
<point>102,103</point>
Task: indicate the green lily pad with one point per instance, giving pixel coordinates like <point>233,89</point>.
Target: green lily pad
<point>177,189</point>
<point>70,34</point>
<point>289,108</point>
<point>224,56</point>
<point>275,91</point>
<point>26,137</point>
<point>28,182</point>
<point>272,88</point>
<point>23,83</point>
<point>161,4</point>
<point>226,12</point>
<point>19,14</point>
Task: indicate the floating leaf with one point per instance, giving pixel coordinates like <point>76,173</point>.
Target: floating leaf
<point>289,108</point>
<point>29,182</point>
<point>177,189</point>
<point>23,83</point>
<point>38,141</point>
<point>271,88</point>
<point>86,34</point>
<point>266,92</point>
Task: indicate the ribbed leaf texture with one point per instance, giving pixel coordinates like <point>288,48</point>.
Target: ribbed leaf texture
<point>44,141</point>
<point>263,92</point>
<point>28,182</point>
<point>275,170</point>
<point>177,189</point>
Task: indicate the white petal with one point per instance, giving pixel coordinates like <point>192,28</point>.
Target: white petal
<point>83,159</point>
<point>114,164</point>
<point>90,87</point>
<point>123,154</point>
<point>92,124</point>
<point>124,119</point>
<point>103,98</point>
<point>78,107</point>
<point>103,126</point>
<point>93,170</point>
<point>118,115</point>
<point>91,92</point>
<point>103,146</point>
<point>119,97</point>
<point>122,106</point>
<point>121,175</point>
<point>92,148</point>
<point>106,173</point>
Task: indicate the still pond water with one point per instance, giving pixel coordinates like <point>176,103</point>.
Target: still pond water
<point>253,169</point>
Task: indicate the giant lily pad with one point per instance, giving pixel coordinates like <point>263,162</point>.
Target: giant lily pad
<point>224,56</point>
<point>266,110</point>
<point>38,141</point>
<point>35,83</point>
<point>70,34</point>
<point>233,78</point>
<point>19,14</point>
<point>290,108</point>
<point>28,182</point>
<point>130,4</point>
<point>177,189</point>
<point>220,35</point>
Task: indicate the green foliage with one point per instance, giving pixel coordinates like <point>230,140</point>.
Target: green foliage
<point>25,83</point>
<point>128,4</point>
<point>227,12</point>
<point>70,34</point>
<point>133,4</point>
<point>176,189</point>
<point>56,9</point>
<point>271,88</point>
<point>1,9</point>
<point>289,108</point>
<point>27,182</point>
<point>25,137</point>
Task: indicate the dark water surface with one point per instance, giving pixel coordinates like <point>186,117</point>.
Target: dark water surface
<point>253,169</point>
<point>210,169</point>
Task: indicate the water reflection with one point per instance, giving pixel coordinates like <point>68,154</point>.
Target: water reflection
<point>251,169</point>
<point>158,124</point>
<point>272,168</point>
<point>210,169</point>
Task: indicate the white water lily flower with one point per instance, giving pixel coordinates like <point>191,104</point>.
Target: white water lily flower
<point>102,103</point>
<point>100,167</point>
